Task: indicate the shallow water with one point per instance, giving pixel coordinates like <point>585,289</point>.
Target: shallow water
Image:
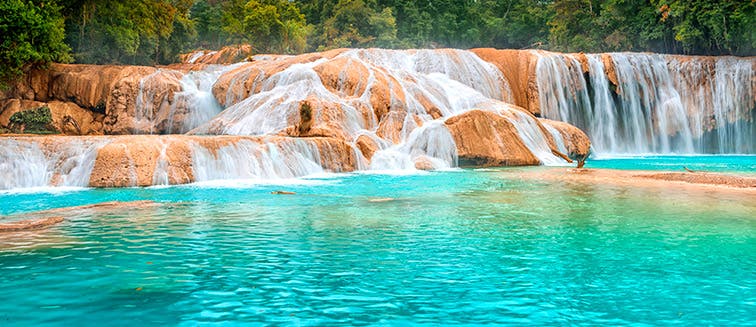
<point>456,247</point>
<point>714,163</point>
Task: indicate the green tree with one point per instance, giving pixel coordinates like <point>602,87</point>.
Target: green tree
<point>275,25</point>
<point>712,26</point>
<point>129,31</point>
<point>357,23</point>
<point>33,33</point>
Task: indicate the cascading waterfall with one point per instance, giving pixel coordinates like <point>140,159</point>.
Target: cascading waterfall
<point>250,160</point>
<point>195,104</point>
<point>162,111</point>
<point>400,100</point>
<point>661,103</point>
<point>426,87</point>
<point>24,164</point>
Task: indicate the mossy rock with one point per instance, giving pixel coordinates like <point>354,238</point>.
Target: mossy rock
<point>34,121</point>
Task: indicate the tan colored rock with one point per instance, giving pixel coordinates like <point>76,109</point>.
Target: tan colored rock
<point>143,160</point>
<point>484,138</point>
<point>12,106</point>
<point>109,90</point>
<point>611,72</point>
<point>575,140</point>
<point>423,163</point>
<point>68,118</point>
<point>227,55</point>
<point>519,68</point>
<point>367,146</point>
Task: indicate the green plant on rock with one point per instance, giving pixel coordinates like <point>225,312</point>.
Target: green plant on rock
<point>37,121</point>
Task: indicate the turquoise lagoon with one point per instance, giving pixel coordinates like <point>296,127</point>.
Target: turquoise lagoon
<point>452,247</point>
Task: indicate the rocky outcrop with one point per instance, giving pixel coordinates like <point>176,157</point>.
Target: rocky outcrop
<point>575,140</point>
<point>119,99</point>
<point>226,55</point>
<point>485,138</point>
<point>247,78</point>
<point>519,68</point>
<point>68,118</point>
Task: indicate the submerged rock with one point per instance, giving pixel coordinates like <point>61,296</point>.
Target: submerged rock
<point>29,224</point>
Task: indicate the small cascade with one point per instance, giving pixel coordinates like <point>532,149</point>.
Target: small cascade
<point>195,103</point>
<point>558,139</point>
<point>428,147</point>
<point>161,174</point>
<point>250,160</point>
<point>661,103</point>
<point>172,102</point>
<point>25,163</point>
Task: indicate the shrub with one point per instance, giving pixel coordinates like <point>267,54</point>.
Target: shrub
<point>38,120</point>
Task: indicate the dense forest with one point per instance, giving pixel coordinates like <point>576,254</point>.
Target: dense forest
<point>153,31</point>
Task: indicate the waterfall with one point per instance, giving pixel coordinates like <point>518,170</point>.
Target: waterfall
<point>660,104</point>
<point>172,102</point>
<point>24,163</point>
<point>423,87</point>
<point>195,103</point>
<point>250,160</point>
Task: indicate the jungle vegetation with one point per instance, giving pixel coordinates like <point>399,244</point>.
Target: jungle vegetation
<point>147,32</point>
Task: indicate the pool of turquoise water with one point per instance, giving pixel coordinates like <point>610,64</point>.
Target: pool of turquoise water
<point>712,163</point>
<point>451,248</point>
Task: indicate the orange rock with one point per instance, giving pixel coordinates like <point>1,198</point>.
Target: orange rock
<point>519,68</point>
<point>575,140</point>
<point>367,146</point>
<point>68,118</point>
<point>484,138</point>
<point>611,73</point>
<point>226,55</point>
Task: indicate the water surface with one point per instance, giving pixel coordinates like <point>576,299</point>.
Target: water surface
<point>456,247</point>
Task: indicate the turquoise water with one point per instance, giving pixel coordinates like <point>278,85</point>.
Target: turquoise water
<point>713,163</point>
<point>460,247</point>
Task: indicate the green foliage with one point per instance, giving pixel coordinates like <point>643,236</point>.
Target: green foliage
<point>38,121</point>
<point>275,26</point>
<point>129,31</point>
<point>32,35</point>
<point>156,31</point>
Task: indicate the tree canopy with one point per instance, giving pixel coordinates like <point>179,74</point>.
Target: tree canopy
<point>32,35</point>
<point>156,31</point>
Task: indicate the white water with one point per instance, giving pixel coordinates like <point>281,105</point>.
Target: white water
<point>163,108</point>
<point>662,104</point>
<point>25,164</point>
<point>254,161</point>
<point>195,104</point>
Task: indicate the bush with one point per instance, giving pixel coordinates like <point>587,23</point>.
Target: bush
<point>38,121</point>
